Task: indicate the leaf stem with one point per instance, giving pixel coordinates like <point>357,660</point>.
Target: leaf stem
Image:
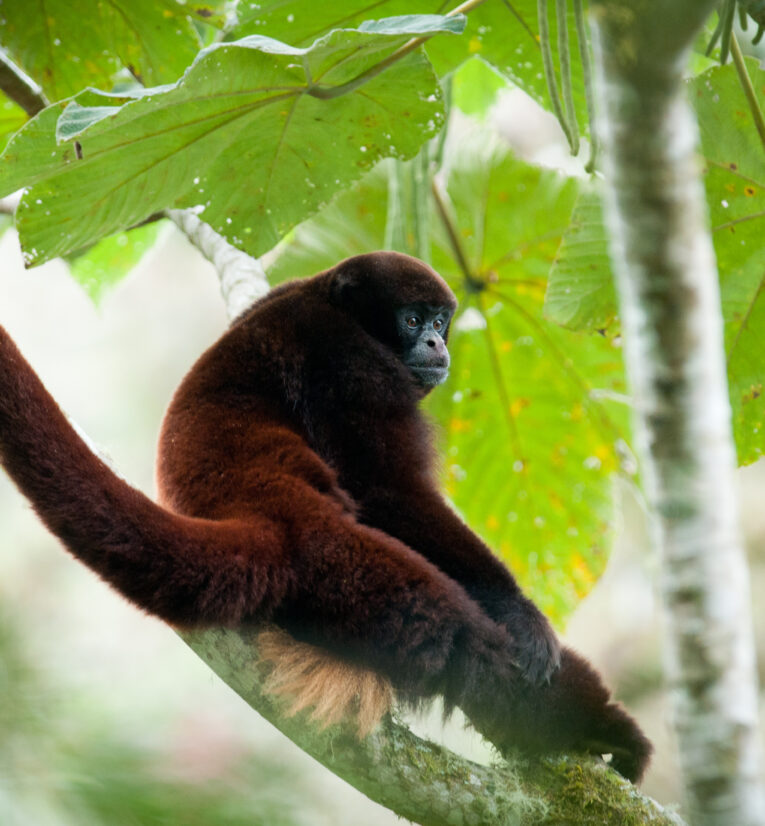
<point>328,93</point>
<point>726,33</point>
<point>564,55</point>
<point>748,88</point>
<point>394,220</point>
<point>419,172</point>
<point>549,69</point>
<point>502,389</point>
<point>473,284</point>
<point>589,92</point>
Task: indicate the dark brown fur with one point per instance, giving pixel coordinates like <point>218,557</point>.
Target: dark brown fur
<point>295,476</point>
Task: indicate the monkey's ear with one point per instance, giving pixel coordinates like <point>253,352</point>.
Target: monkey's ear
<point>354,288</point>
<point>344,283</point>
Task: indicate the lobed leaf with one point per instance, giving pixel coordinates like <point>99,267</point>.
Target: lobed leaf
<point>241,137</point>
<point>504,33</point>
<point>531,438</point>
<point>66,47</point>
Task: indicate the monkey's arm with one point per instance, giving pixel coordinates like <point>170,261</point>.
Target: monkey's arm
<point>417,514</point>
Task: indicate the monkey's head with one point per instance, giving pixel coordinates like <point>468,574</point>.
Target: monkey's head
<point>403,303</point>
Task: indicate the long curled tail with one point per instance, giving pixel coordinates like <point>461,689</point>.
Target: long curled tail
<point>186,571</point>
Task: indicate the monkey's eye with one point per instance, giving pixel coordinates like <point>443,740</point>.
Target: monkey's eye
<point>412,322</point>
<point>438,325</point>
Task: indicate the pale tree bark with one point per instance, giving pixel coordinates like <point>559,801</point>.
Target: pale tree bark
<point>672,327</point>
<point>242,278</point>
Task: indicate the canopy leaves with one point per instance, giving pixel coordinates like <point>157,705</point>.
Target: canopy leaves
<point>255,111</point>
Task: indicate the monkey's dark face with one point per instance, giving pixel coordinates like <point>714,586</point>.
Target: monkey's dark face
<point>422,334</point>
<point>401,302</point>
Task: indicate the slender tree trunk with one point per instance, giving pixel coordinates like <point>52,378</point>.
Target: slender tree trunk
<point>672,323</point>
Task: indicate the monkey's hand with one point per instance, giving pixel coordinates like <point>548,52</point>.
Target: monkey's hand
<point>535,646</point>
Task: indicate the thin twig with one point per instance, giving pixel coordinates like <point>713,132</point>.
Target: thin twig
<point>748,88</point>
<point>20,88</point>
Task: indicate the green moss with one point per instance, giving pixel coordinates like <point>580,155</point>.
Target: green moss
<point>589,793</point>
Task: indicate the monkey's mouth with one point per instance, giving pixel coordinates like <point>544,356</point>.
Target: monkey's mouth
<point>430,376</point>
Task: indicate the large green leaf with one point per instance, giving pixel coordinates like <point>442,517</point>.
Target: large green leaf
<point>12,118</point>
<point>66,45</point>
<point>502,32</point>
<point>531,442</point>
<point>735,181</point>
<point>300,22</point>
<point>354,223</point>
<point>241,137</point>
<point>581,293</point>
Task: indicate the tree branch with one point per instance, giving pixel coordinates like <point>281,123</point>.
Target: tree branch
<point>9,205</point>
<point>20,88</point>
<point>242,278</point>
<point>671,316</point>
<point>427,783</point>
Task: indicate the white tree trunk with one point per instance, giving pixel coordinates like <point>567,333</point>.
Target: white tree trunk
<point>672,323</point>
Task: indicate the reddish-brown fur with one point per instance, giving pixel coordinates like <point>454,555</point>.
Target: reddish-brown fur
<point>295,477</point>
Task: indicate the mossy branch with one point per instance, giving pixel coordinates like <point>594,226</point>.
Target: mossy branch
<point>426,783</point>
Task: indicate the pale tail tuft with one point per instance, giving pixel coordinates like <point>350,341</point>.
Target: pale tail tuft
<point>310,677</point>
